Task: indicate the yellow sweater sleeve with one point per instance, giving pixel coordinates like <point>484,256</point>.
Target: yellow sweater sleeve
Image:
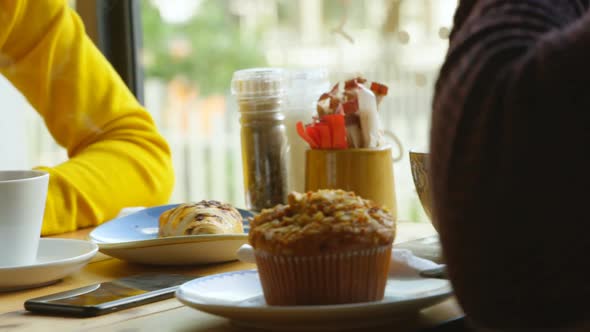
<point>116,156</point>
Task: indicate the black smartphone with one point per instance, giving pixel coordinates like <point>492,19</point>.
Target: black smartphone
<point>106,297</point>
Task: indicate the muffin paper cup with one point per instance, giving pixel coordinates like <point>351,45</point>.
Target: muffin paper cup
<point>347,277</point>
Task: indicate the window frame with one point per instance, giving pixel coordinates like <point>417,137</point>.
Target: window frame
<point>115,28</point>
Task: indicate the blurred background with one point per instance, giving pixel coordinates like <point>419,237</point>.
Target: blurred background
<point>190,49</point>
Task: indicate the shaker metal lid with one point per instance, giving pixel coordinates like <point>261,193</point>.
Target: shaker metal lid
<point>258,82</point>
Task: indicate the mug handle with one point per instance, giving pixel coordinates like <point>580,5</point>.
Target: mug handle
<point>393,138</point>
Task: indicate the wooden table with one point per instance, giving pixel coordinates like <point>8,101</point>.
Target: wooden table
<point>167,315</point>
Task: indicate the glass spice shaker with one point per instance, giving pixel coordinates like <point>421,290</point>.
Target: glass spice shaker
<point>305,86</point>
<point>259,93</point>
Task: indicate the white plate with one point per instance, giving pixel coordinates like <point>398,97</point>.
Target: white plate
<point>238,296</point>
<point>178,251</point>
<point>57,259</point>
<point>134,238</point>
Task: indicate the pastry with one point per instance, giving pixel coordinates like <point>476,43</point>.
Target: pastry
<point>324,247</point>
<point>204,217</point>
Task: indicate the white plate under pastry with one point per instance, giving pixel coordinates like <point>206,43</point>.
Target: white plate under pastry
<point>134,238</point>
<point>56,259</point>
<point>238,296</point>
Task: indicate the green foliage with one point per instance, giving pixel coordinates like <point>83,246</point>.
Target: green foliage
<point>217,47</point>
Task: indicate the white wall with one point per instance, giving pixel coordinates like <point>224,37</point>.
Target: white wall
<point>13,138</point>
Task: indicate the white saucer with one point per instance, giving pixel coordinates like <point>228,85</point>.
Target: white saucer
<point>238,296</point>
<point>134,238</point>
<point>57,259</point>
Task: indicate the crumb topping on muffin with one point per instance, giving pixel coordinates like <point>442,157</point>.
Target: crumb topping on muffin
<point>321,222</point>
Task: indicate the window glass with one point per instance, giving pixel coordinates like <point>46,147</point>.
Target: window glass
<point>191,48</point>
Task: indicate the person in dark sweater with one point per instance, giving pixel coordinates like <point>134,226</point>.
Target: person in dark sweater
<point>510,162</point>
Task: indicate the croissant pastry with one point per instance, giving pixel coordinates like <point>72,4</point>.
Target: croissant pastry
<point>204,217</point>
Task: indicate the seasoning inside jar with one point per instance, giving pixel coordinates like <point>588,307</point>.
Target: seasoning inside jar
<point>259,93</point>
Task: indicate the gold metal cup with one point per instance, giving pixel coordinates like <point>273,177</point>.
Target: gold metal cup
<point>366,172</point>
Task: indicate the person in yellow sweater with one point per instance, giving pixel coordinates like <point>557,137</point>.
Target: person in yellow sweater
<point>116,156</point>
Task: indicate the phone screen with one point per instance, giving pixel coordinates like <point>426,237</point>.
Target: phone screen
<point>110,296</point>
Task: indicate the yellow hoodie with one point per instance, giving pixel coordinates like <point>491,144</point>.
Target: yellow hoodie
<point>116,156</point>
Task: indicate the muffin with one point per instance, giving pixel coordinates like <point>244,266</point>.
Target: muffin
<point>324,247</point>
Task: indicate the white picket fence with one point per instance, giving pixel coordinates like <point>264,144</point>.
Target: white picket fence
<point>208,167</point>
<point>208,164</point>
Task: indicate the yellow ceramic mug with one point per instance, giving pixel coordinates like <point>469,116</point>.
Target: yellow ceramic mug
<point>367,172</point>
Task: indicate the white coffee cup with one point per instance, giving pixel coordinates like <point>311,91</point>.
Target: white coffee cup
<point>22,205</point>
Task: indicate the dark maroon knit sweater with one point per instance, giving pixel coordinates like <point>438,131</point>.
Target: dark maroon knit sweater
<point>510,160</point>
